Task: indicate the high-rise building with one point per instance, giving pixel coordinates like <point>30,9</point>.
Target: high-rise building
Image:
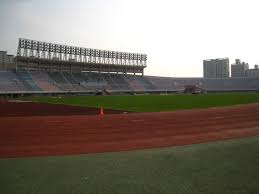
<point>6,60</point>
<point>253,72</point>
<point>239,69</point>
<point>216,68</point>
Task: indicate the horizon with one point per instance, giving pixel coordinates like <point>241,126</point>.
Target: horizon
<point>176,43</point>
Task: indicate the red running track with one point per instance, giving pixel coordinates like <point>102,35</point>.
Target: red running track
<point>80,134</point>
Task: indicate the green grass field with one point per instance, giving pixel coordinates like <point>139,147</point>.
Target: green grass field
<point>219,167</point>
<point>147,103</point>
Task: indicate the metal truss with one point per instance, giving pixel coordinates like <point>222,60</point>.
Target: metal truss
<point>45,50</point>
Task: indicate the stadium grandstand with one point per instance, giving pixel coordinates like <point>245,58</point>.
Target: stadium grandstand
<point>47,68</point>
<point>209,84</point>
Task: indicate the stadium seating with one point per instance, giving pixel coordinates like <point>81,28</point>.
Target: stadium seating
<point>121,83</point>
<point>110,81</point>
<point>61,81</point>
<point>75,82</point>
<point>134,83</point>
<point>10,82</point>
<point>44,81</point>
<point>224,84</point>
<point>139,83</point>
<point>146,83</point>
<point>28,82</point>
<point>92,81</point>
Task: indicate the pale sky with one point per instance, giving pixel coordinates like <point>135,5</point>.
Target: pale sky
<point>175,34</point>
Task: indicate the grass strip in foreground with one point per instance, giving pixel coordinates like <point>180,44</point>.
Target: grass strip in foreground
<point>219,167</point>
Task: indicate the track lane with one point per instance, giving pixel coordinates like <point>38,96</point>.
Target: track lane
<point>62,135</point>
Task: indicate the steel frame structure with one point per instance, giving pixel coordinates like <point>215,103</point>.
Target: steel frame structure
<point>45,50</point>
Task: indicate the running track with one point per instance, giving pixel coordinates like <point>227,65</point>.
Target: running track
<point>26,136</point>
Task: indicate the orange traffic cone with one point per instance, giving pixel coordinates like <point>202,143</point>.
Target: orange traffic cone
<point>101,111</point>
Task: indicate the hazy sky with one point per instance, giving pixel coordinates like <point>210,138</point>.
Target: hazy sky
<point>175,34</point>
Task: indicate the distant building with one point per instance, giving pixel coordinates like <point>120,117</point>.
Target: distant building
<point>216,68</point>
<point>253,72</point>
<point>239,69</point>
<point>6,60</point>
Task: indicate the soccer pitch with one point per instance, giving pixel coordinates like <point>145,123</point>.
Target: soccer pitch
<point>154,103</point>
